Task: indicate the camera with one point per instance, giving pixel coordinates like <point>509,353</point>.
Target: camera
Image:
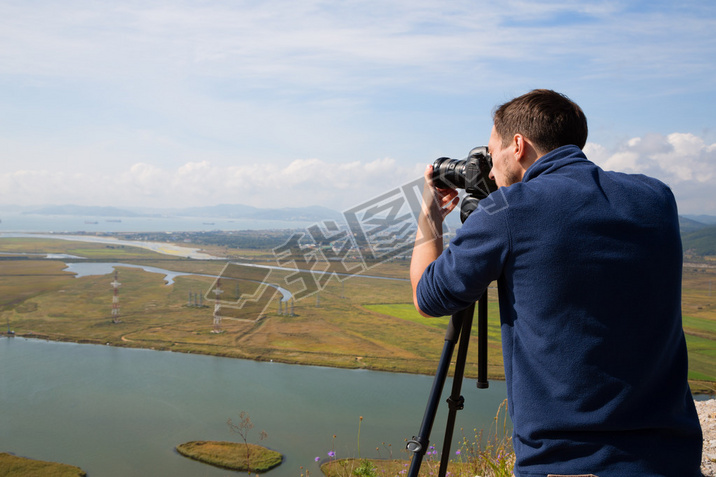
<point>471,174</point>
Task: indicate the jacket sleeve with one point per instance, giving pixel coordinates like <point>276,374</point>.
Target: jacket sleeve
<point>473,260</point>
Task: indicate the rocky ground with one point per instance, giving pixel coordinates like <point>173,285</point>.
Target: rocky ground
<point>707,416</point>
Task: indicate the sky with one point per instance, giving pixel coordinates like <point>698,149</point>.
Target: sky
<point>287,103</point>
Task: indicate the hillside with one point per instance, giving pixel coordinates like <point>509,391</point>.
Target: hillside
<point>690,224</point>
<point>700,242</point>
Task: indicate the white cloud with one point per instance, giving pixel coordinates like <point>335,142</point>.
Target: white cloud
<point>293,103</point>
<point>301,182</point>
<point>683,161</point>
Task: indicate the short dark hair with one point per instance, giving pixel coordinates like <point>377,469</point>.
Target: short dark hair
<point>545,117</point>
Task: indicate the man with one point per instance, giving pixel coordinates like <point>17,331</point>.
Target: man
<point>588,266</point>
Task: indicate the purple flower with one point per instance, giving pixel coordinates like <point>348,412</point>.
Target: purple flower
<point>317,459</point>
<point>457,452</point>
<point>331,454</point>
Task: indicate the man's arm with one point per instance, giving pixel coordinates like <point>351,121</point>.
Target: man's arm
<point>437,203</point>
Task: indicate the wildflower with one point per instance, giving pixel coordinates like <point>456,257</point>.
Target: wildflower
<point>457,452</point>
<point>331,454</point>
<point>317,459</point>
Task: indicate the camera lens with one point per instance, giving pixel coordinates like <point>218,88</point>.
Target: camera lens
<point>449,173</point>
<point>471,174</point>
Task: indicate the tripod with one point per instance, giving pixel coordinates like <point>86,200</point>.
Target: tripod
<point>459,326</point>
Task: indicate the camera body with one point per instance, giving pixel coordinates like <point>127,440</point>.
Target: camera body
<point>471,174</point>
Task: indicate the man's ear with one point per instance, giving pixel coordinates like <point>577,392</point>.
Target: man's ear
<point>519,145</point>
<point>524,151</point>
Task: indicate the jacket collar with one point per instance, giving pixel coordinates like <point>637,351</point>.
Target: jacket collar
<point>554,160</point>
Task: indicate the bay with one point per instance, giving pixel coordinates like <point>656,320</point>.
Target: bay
<point>18,222</point>
<point>121,412</point>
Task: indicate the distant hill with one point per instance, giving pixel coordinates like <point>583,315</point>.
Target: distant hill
<point>698,234</point>
<point>228,211</point>
<point>690,225</point>
<point>700,242</point>
<point>704,219</point>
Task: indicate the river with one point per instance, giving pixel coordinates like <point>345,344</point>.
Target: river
<point>120,412</point>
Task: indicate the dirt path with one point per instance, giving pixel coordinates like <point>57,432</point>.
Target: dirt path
<point>707,416</point>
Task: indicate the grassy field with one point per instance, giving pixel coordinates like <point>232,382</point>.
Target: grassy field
<point>699,319</point>
<point>406,312</point>
<point>40,300</point>
<point>358,323</point>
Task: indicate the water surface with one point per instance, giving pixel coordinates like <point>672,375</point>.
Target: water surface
<point>121,412</point>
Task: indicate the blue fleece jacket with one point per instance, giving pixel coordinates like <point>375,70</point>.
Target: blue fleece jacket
<point>588,265</point>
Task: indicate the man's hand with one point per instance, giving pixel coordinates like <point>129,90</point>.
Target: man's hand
<point>437,204</point>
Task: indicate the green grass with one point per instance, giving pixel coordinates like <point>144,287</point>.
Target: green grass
<point>406,311</point>
<point>13,466</point>
<point>703,326</point>
<point>232,455</point>
<point>702,349</point>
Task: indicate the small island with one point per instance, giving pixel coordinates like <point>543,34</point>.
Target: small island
<point>13,465</point>
<point>231,455</point>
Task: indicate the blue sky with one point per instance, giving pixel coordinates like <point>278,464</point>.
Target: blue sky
<point>305,102</point>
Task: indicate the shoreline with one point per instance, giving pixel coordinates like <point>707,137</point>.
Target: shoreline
<point>698,396</point>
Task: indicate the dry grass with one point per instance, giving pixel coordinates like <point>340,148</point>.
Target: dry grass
<point>13,466</point>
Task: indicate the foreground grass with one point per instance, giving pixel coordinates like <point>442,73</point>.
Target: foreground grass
<point>231,455</point>
<point>13,466</point>
<point>487,454</point>
<point>390,468</point>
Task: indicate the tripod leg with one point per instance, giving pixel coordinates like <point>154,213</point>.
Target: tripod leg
<point>482,382</point>
<point>456,401</point>
<point>418,444</point>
